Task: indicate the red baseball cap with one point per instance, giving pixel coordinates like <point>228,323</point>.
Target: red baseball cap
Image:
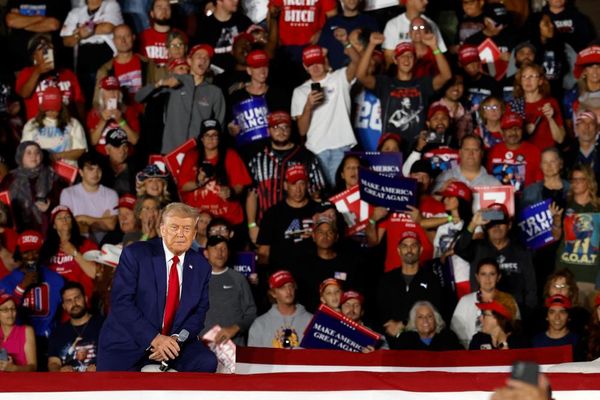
<point>59,209</point>
<point>587,56</point>
<point>497,307</point>
<point>279,117</point>
<point>468,54</point>
<point>313,54</point>
<point>206,47</point>
<point>51,99</point>
<point>403,47</point>
<point>581,115</point>
<point>110,83</point>
<point>176,63</point>
<point>4,297</point>
<point>558,300</point>
<point>351,294</point>
<point>127,201</point>
<point>510,120</point>
<point>437,108</point>
<point>244,35</point>
<point>257,59</point>
<point>457,189</point>
<point>30,240</point>
<point>280,278</point>
<point>409,233</point>
<point>328,282</point>
<point>295,173</point>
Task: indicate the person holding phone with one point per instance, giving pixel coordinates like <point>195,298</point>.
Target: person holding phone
<point>17,342</point>
<point>518,275</point>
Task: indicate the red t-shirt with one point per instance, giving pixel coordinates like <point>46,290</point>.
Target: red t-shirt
<point>542,137</point>
<point>394,225</point>
<point>207,197</point>
<point>9,240</point>
<point>129,75</point>
<point>94,118</point>
<point>153,45</point>
<point>66,266</point>
<point>298,23</point>
<point>426,66</point>
<point>64,79</point>
<point>513,167</point>
<point>430,207</point>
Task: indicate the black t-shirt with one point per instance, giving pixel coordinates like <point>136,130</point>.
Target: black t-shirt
<point>78,353</point>
<point>220,35</point>
<point>310,271</point>
<point>483,341</point>
<point>404,105</point>
<point>477,90</point>
<point>468,26</point>
<point>19,38</point>
<point>287,230</point>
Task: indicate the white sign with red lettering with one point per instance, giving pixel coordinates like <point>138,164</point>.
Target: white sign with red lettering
<point>355,211</point>
<point>489,54</point>
<point>485,196</point>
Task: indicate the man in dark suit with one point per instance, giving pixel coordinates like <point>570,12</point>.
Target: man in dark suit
<point>152,302</point>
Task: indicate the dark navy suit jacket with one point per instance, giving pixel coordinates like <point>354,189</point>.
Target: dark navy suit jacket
<point>138,302</point>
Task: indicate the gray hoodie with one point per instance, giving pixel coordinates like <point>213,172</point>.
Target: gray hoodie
<point>275,330</point>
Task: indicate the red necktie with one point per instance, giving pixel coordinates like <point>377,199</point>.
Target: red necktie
<point>172,298</point>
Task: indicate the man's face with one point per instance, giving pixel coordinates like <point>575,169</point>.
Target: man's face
<point>331,296</point>
<point>126,218</point>
<point>423,180</point>
<point>123,38</point>
<point>419,5</point>
<point>352,309</point>
<point>557,3</point>
<point>470,153</point>
<point>280,134</point>
<point>285,295</point>
<point>296,191</point>
<point>178,233</point>
<point>240,50</point>
<point>409,250</point>
<point>512,136</point>
<point>439,122</point>
<point>91,174</point>
<point>230,6</point>
<point>586,130</point>
<point>425,321</point>
<point>199,62</point>
<point>472,8</point>
<point>557,317</point>
<point>161,12</point>
<point>74,303</point>
<point>217,255</point>
<point>525,55</point>
<point>324,236</point>
<point>487,278</point>
<point>316,71</point>
<point>405,61</point>
<point>473,69</point>
<point>117,154</point>
<point>498,231</point>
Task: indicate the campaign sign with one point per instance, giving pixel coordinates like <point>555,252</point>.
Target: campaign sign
<point>65,171</point>
<point>388,164</point>
<point>244,262</point>
<point>485,196</point>
<point>251,117</point>
<point>582,238</point>
<point>490,59</point>
<point>331,330</point>
<point>174,159</point>
<point>535,223</point>
<point>354,210</point>
<point>393,193</point>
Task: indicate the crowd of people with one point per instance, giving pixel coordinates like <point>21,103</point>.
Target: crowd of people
<point>256,115</point>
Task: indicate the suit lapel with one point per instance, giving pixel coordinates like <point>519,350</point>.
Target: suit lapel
<point>160,275</point>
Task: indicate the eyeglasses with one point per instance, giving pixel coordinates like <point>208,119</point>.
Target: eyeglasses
<point>419,27</point>
<point>493,107</point>
<point>532,76</point>
<point>558,286</point>
<point>8,310</point>
<point>210,136</point>
<point>282,127</point>
<point>578,180</point>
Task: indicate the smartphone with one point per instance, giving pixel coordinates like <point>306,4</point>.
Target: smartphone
<point>492,215</point>
<point>111,104</point>
<point>48,55</point>
<point>525,371</point>
<point>3,355</point>
<point>315,86</point>
<point>434,138</point>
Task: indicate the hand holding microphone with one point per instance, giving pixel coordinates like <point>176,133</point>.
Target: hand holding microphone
<point>181,338</point>
<point>165,347</point>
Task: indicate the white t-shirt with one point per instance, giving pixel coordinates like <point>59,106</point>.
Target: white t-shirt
<point>256,10</point>
<point>330,126</point>
<point>50,138</point>
<point>109,11</point>
<point>396,31</point>
<point>379,4</point>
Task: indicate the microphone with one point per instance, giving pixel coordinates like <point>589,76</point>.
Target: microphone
<point>181,338</point>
